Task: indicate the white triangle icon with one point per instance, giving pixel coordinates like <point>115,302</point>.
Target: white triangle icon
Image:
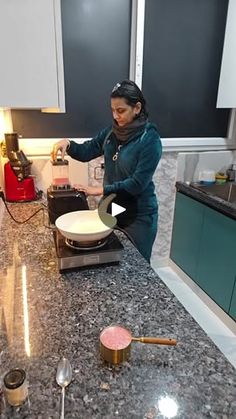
<point>116,209</point>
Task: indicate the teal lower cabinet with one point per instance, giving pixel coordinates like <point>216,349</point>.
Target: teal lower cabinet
<point>187,228</point>
<point>216,268</point>
<point>204,246</point>
<point>232,309</point>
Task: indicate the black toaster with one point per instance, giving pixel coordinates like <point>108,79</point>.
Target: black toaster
<point>63,201</point>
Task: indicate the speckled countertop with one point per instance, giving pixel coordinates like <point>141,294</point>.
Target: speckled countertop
<point>64,314</point>
<point>215,202</point>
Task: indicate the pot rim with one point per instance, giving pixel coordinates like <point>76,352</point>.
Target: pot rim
<point>122,327</point>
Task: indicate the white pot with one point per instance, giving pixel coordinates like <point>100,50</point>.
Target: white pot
<point>82,226</point>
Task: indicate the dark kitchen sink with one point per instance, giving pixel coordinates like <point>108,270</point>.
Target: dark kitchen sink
<point>227,191</point>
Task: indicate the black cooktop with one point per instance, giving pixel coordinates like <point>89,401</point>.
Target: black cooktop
<point>70,258</point>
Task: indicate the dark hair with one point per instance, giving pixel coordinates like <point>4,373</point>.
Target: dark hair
<point>129,90</point>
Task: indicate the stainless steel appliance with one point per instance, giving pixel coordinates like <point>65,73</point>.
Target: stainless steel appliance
<point>81,238</point>
<point>71,255</point>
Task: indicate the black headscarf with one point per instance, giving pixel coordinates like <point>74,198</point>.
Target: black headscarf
<point>126,132</point>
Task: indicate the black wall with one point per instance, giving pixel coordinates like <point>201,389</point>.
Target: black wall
<point>96,39</point>
<point>182,57</point>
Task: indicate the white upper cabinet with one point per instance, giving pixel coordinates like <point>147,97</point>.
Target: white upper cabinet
<point>31,70</point>
<point>227,84</point>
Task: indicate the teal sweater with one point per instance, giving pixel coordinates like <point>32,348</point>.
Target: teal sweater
<point>133,170</point>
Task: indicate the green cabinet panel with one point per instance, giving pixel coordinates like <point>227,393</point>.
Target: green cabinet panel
<point>187,227</point>
<point>216,268</point>
<point>232,309</point>
<point>204,246</point>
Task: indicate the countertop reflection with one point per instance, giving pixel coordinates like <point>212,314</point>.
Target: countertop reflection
<point>14,305</point>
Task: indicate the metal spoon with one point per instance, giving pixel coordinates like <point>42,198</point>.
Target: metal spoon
<point>63,377</point>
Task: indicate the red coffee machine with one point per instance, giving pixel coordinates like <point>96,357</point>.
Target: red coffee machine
<point>19,185</point>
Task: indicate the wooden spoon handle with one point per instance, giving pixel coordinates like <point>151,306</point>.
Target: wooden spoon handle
<point>159,341</point>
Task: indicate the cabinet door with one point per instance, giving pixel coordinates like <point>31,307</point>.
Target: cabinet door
<point>183,42</point>
<point>232,309</point>
<point>28,49</point>
<point>217,262</point>
<point>96,50</point>
<point>187,227</point>
<point>227,84</point>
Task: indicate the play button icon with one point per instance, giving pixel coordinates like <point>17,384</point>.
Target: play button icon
<point>104,211</point>
<point>116,209</point>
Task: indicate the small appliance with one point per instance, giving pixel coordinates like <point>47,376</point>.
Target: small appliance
<point>19,184</point>
<point>231,172</point>
<point>72,256</point>
<point>61,196</point>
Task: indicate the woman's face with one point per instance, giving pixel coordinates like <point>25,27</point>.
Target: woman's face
<point>122,112</point>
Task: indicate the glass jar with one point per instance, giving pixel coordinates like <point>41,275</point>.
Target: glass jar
<point>15,386</point>
<point>60,173</point>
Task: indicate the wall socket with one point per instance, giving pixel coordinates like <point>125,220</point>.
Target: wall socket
<point>99,172</point>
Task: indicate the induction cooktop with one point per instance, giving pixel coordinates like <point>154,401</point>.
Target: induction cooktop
<point>71,256</point>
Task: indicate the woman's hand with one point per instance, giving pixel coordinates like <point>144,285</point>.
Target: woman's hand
<point>90,190</point>
<point>60,146</point>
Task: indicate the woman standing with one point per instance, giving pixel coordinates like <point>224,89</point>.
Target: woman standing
<point>132,149</point>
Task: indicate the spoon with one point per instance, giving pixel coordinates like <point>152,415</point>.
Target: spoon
<point>63,377</point>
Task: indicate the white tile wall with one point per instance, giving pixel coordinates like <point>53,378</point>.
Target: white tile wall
<point>42,170</point>
<point>190,164</point>
<point>38,151</point>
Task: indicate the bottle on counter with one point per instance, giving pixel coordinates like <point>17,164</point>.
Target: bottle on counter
<point>221,178</point>
<point>231,172</point>
<point>15,386</point>
<point>207,177</point>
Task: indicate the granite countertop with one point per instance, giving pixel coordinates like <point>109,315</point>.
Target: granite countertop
<point>63,314</point>
<point>215,202</point>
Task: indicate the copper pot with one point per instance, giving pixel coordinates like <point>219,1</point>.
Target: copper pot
<point>115,343</point>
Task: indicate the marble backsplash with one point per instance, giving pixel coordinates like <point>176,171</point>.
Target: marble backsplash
<point>164,179</point>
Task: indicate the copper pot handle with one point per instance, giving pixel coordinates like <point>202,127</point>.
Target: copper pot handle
<point>160,341</point>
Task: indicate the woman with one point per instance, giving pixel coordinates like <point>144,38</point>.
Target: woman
<point>132,150</point>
